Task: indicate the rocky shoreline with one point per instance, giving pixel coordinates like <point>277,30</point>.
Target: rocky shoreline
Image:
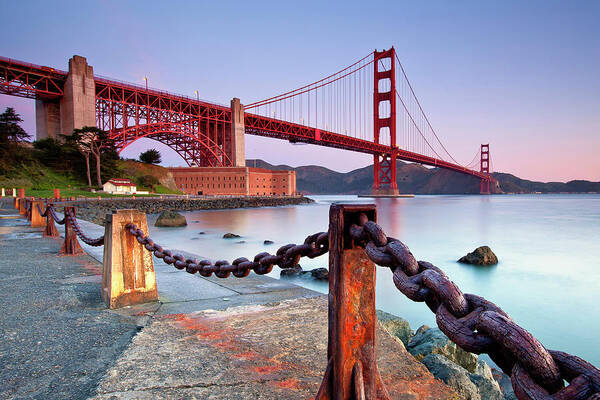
<point>472,378</point>
<point>95,210</point>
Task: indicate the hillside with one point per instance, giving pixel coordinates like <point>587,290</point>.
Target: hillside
<point>417,179</point>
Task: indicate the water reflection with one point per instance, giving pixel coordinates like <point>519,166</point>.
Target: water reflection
<point>548,277</point>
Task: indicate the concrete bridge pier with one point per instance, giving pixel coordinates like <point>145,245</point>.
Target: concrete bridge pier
<point>75,109</point>
<point>237,133</point>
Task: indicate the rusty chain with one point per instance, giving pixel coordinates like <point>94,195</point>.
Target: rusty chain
<point>75,226</point>
<point>479,326</point>
<point>286,256</point>
<point>50,208</point>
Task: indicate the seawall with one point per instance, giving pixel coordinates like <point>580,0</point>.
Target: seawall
<point>96,210</point>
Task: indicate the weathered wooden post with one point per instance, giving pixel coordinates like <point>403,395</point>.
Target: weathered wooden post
<point>352,371</point>
<point>28,208</point>
<point>50,230</point>
<point>70,246</point>
<point>128,274</point>
<point>22,205</point>
<point>37,220</point>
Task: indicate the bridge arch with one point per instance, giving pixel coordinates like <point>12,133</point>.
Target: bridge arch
<point>196,149</point>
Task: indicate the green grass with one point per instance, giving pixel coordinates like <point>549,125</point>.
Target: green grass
<point>40,181</point>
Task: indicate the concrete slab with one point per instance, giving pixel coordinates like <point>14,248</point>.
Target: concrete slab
<point>275,351</point>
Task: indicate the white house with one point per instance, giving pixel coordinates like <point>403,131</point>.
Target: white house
<point>119,186</point>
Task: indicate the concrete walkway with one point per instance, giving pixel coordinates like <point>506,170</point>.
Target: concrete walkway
<point>207,338</point>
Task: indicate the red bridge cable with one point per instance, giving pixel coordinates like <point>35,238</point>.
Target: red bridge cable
<point>266,101</point>
<point>421,108</point>
<point>415,125</point>
<point>314,88</point>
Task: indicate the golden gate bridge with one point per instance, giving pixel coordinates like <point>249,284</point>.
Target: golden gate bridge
<point>369,107</point>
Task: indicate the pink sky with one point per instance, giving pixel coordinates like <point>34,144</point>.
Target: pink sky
<point>520,76</point>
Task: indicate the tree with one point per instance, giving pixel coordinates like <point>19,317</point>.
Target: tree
<point>148,181</point>
<point>151,156</point>
<point>11,133</point>
<point>91,140</point>
<point>10,130</point>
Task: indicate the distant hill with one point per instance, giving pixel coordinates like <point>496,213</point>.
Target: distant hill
<point>415,178</point>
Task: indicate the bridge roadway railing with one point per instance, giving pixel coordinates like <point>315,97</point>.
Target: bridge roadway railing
<point>355,243</point>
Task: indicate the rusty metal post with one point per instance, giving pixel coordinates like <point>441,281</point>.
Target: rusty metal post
<point>128,271</point>
<point>21,193</point>
<point>50,230</point>
<point>56,194</point>
<point>37,220</point>
<point>352,371</point>
<point>70,246</point>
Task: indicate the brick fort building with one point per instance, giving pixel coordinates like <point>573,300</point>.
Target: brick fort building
<point>236,181</point>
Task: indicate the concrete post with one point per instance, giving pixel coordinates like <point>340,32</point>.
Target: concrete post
<point>37,220</point>
<point>3,193</point>
<point>128,272</point>
<point>237,133</point>
<point>14,192</point>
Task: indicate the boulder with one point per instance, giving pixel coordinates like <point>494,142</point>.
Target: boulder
<point>170,219</point>
<point>487,386</point>
<point>321,274</point>
<point>230,235</point>
<point>288,272</point>
<point>268,242</point>
<point>433,341</point>
<point>505,384</point>
<point>453,375</point>
<point>482,255</point>
<point>395,326</point>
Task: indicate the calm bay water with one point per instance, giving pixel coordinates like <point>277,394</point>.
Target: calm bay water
<point>548,278</point>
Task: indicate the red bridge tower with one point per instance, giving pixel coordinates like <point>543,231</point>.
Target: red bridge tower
<point>384,121</point>
<point>485,169</point>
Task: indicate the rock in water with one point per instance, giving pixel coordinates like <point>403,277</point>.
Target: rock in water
<point>268,242</point>
<point>170,219</point>
<point>480,256</point>
<point>230,235</point>
<point>294,271</point>
<point>321,274</point>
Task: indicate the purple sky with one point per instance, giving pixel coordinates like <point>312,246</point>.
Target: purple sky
<point>521,76</point>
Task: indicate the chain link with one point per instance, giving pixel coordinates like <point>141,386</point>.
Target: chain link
<point>480,326</point>
<point>75,226</point>
<point>54,216</point>
<point>287,256</point>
